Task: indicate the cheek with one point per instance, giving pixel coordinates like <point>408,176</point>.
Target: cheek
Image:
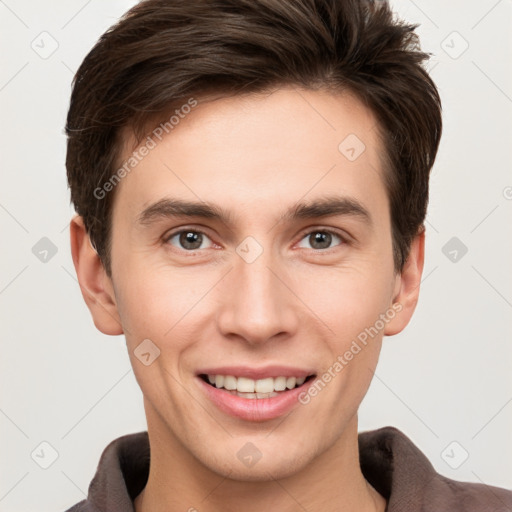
<point>359,309</point>
<point>353,315</point>
<point>157,305</point>
<point>151,302</point>
<point>350,299</point>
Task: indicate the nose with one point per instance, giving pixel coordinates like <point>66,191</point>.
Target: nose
<point>257,301</point>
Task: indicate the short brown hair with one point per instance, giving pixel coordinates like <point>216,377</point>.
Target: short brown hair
<point>164,51</point>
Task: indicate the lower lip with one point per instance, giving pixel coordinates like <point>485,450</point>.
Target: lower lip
<point>254,409</point>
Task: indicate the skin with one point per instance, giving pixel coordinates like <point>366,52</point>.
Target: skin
<point>296,304</point>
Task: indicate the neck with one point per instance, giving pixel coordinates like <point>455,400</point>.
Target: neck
<point>177,481</point>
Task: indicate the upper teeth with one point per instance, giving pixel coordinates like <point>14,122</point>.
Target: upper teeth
<point>244,385</point>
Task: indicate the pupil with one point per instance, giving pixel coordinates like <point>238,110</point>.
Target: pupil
<point>188,238</point>
<point>322,237</point>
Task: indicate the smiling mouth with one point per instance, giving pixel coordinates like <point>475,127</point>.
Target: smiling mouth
<point>253,389</point>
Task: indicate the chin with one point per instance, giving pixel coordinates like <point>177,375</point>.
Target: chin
<point>262,470</point>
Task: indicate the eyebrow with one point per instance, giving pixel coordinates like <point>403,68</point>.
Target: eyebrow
<point>321,207</point>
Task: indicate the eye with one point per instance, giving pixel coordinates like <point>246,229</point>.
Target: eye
<point>321,239</point>
<point>192,239</point>
<point>189,239</point>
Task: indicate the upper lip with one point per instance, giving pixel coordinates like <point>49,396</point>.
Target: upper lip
<point>251,372</point>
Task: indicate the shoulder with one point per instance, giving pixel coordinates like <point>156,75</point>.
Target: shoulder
<point>82,506</point>
<point>471,497</point>
<point>121,474</point>
<point>399,470</point>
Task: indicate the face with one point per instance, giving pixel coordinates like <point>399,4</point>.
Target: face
<point>256,297</point>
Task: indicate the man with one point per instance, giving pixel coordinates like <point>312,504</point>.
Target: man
<point>251,182</point>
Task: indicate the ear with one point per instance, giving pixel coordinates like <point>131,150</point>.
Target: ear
<point>96,286</point>
<point>407,286</point>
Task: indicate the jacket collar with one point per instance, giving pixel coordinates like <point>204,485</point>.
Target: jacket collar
<point>389,461</point>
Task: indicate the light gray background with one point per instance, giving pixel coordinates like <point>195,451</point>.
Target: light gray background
<point>445,378</point>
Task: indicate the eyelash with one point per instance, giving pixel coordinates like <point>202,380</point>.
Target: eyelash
<point>344,239</point>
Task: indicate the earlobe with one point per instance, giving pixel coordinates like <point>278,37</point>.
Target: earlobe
<point>93,280</point>
<point>408,286</point>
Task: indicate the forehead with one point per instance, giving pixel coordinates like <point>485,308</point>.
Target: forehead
<point>250,149</point>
